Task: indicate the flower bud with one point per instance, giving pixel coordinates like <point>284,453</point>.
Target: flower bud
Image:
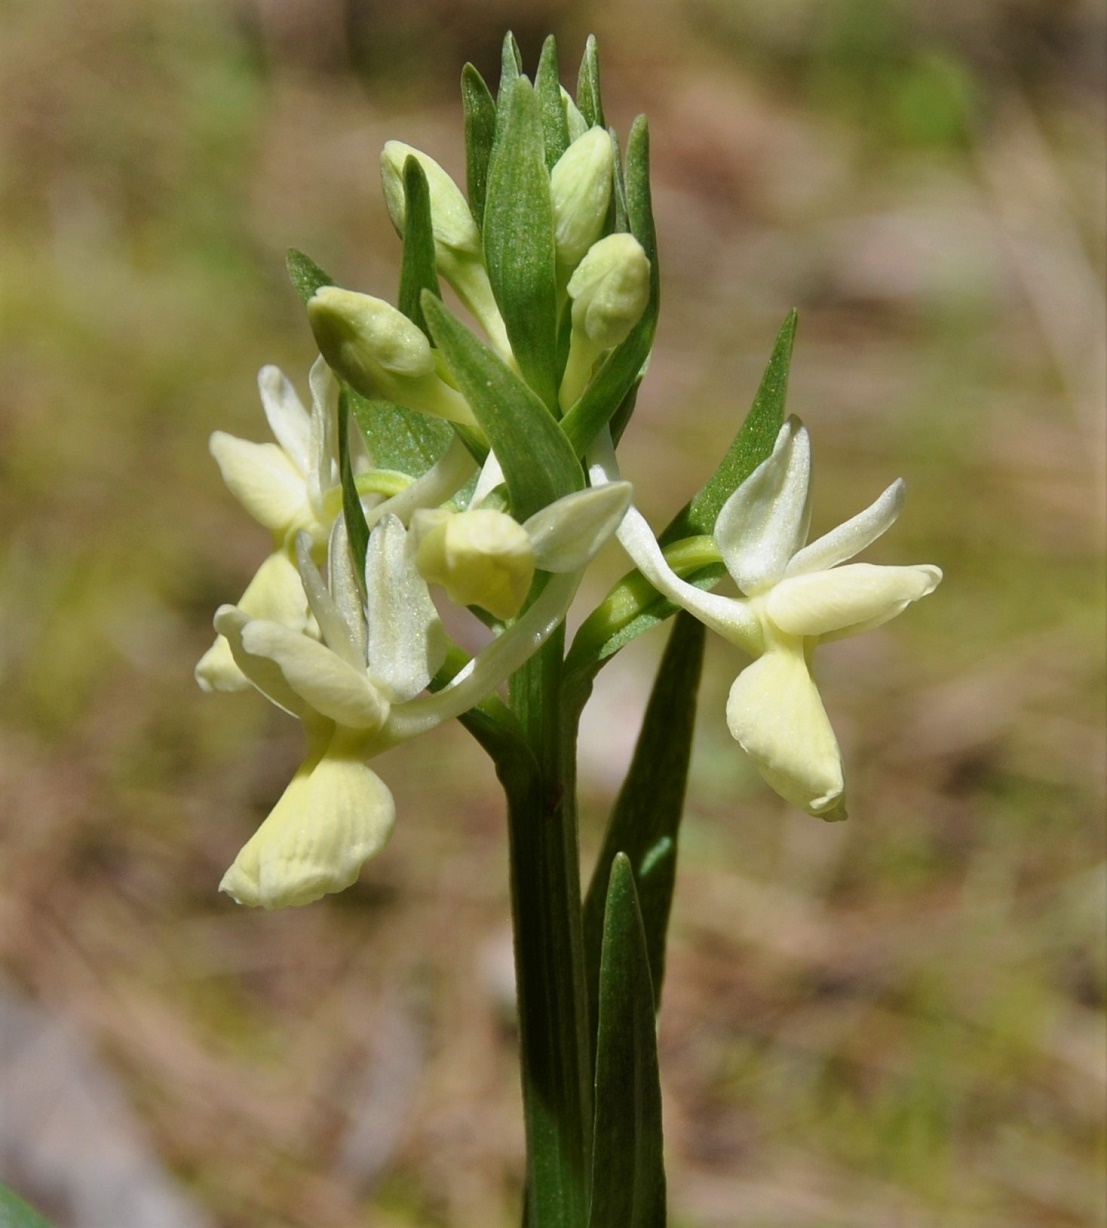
<point>380,353</point>
<point>610,290</point>
<point>481,557</point>
<point>580,191</point>
<point>451,220</point>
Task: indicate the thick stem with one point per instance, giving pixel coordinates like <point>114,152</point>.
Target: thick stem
<point>549,955</point>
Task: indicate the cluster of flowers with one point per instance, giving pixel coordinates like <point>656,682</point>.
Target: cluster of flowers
<point>357,654</point>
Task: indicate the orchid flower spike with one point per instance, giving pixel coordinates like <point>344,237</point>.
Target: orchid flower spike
<point>794,597</point>
<point>290,486</point>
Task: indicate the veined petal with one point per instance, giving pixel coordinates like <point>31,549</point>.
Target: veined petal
<point>288,420</point>
<point>263,479</point>
<point>766,520</point>
<point>406,642</point>
<point>775,713</point>
<point>852,537</point>
<point>338,636</point>
<point>858,594</point>
<point>322,473</point>
<point>334,815</point>
<point>277,593</point>
<point>568,532</point>
<point>262,672</point>
<point>329,686</point>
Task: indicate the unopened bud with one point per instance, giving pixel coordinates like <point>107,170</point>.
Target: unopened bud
<point>481,557</point>
<point>380,353</point>
<point>451,220</point>
<point>580,191</point>
<point>610,290</point>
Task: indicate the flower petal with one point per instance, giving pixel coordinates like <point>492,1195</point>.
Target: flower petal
<point>766,520</point>
<point>262,672</point>
<point>319,676</point>
<point>287,418</point>
<point>406,642</point>
<point>277,593</point>
<point>568,532</point>
<point>775,713</point>
<point>859,595</point>
<point>334,815</point>
<point>852,537</point>
<point>263,479</point>
<point>322,474</point>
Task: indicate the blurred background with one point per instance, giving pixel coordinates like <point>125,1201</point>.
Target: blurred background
<point>896,1021</point>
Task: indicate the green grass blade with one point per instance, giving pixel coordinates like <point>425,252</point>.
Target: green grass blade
<point>628,1174</point>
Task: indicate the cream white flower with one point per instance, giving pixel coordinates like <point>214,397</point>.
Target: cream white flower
<point>485,557</point>
<point>357,690</point>
<point>290,486</point>
<point>794,596</point>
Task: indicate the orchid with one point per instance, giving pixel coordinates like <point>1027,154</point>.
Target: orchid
<point>290,486</point>
<point>794,597</point>
<point>355,688</point>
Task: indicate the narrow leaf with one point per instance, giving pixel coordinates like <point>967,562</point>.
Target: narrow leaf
<point>418,270</point>
<point>519,239</point>
<point>646,817</point>
<point>399,438</point>
<point>628,1174</point>
<point>306,276</point>
<point>480,130</point>
<point>547,86</point>
<point>589,100</point>
<point>356,528</point>
<point>15,1213</point>
<point>753,443</point>
<point>538,463</point>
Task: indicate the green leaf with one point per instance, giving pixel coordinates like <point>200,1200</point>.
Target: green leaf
<point>753,443</point>
<point>589,100</point>
<point>621,370</point>
<point>646,817</point>
<point>511,66</point>
<point>15,1213</point>
<point>399,438</point>
<point>628,1173</point>
<point>480,131</point>
<point>306,276</point>
<point>538,463</point>
<point>356,528</point>
<point>519,240</point>
<point>418,270</point>
<point>547,86</point>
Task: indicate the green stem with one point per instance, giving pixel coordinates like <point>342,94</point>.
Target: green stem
<point>549,954</point>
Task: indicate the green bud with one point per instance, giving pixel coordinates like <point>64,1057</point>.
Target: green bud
<point>580,191</point>
<point>451,219</point>
<point>610,290</point>
<point>380,353</point>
